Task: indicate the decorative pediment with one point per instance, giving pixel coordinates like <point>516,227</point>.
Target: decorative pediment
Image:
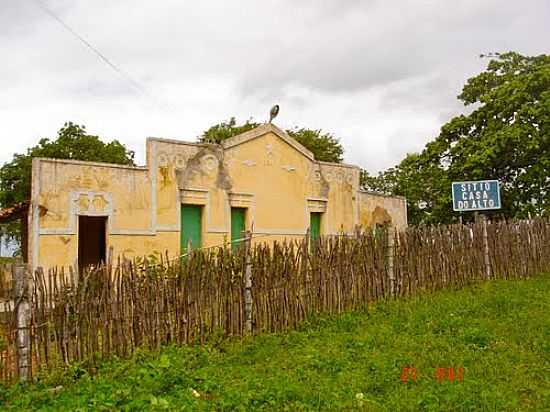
<point>263,130</point>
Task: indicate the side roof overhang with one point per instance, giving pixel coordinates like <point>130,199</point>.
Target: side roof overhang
<point>17,211</point>
<point>14,212</point>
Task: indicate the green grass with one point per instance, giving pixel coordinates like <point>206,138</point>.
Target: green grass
<point>5,260</point>
<point>499,332</point>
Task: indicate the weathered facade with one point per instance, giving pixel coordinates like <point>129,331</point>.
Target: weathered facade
<point>195,194</point>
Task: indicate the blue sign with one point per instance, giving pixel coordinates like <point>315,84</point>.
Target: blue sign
<point>478,195</point>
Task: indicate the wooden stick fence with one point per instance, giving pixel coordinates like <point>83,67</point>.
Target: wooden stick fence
<point>112,310</point>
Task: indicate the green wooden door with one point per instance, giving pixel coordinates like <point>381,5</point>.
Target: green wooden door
<point>314,225</point>
<point>237,225</point>
<point>191,226</point>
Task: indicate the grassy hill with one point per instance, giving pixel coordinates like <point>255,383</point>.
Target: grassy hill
<point>498,332</point>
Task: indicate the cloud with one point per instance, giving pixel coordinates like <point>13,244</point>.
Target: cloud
<point>382,76</point>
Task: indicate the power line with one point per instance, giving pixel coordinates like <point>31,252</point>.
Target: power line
<point>125,75</point>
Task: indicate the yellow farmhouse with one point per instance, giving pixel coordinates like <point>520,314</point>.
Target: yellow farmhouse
<point>195,194</point>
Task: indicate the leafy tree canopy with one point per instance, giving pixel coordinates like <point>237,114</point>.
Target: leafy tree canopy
<point>505,137</point>
<point>72,142</point>
<point>324,146</point>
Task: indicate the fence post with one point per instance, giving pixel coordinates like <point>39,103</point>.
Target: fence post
<point>22,316</point>
<point>390,236</point>
<point>248,283</point>
<point>486,248</point>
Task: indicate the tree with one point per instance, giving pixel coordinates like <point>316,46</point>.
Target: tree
<point>505,137</point>
<point>324,146</point>
<point>420,182</point>
<point>224,130</point>
<point>72,142</point>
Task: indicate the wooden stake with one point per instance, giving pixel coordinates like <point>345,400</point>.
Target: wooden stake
<point>248,284</point>
<point>486,248</point>
<point>22,313</point>
<point>390,234</point>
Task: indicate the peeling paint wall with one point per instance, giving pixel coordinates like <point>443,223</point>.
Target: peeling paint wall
<point>378,209</point>
<point>70,189</point>
<point>272,176</point>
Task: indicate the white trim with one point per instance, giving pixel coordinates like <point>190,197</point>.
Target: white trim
<point>368,192</point>
<point>96,164</point>
<point>35,195</point>
<point>49,231</point>
<point>176,141</point>
<point>168,228</point>
<point>217,230</point>
<point>281,232</point>
<point>357,209</point>
<point>132,232</point>
<point>153,187</point>
<point>346,165</point>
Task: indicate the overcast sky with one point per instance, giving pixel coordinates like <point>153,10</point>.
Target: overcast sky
<point>382,76</point>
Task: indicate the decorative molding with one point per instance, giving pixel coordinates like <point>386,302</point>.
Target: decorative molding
<point>249,163</point>
<point>336,175</point>
<point>237,199</point>
<point>269,154</point>
<point>194,196</point>
<point>209,162</point>
<point>317,205</point>
<point>90,203</point>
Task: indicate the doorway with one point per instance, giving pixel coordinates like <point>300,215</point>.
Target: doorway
<point>191,227</point>
<point>238,215</point>
<point>92,240</point>
<point>315,225</point>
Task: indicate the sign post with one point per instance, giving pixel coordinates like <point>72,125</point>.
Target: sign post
<point>474,196</point>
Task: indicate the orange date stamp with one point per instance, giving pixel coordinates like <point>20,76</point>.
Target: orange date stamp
<point>449,374</point>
